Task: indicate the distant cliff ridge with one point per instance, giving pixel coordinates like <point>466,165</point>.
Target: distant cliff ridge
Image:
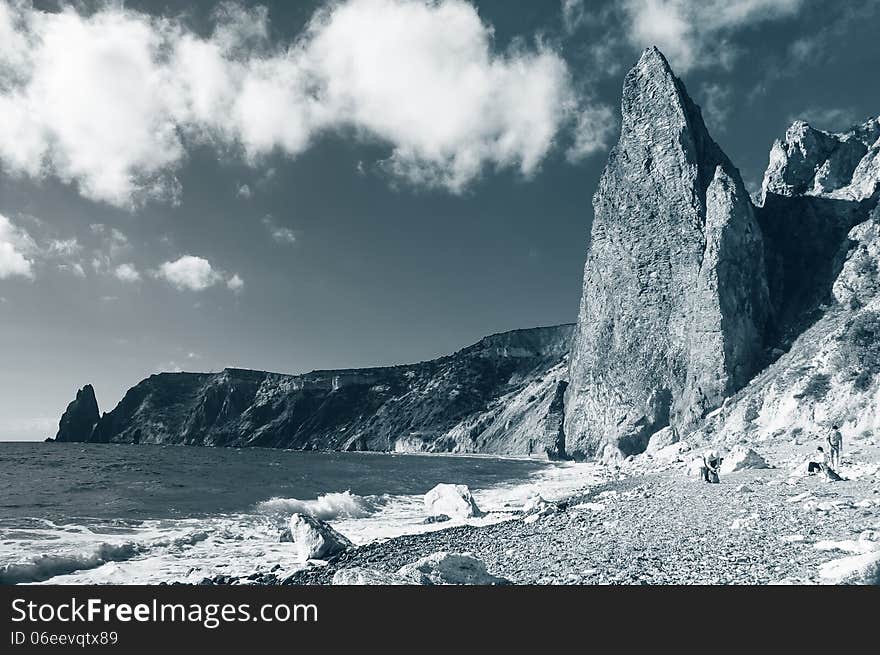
<point>498,396</point>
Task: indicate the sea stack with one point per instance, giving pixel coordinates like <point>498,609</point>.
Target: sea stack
<point>675,298</point>
<point>80,417</point>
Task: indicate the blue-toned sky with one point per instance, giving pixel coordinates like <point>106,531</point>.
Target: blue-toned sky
<point>300,185</point>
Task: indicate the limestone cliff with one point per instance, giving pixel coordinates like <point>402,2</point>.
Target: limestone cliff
<point>675,300</point>
<point>498,396</point>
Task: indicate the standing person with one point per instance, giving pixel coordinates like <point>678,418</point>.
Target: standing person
<point>835,444</point>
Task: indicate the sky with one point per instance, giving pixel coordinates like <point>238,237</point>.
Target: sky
<point>290,186</point>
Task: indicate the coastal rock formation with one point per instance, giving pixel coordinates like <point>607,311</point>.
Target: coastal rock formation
<point>315,539</point>
<point>499,396</point>
<point>831,372</point>
<point>811,162</point>
<point>359,576</point>
<point>817,187</point>
<point>740,459</point>
<point>704,320</point>
<point>80,417</point>
<point>451,500</point>
<point>675,300</point>
<point>444,568</point>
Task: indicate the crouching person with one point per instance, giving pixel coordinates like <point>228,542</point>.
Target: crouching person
<point>710,466</point>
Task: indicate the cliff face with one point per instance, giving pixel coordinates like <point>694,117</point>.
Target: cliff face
<point>496,396</point>
<point>817,187</point>
<point>675,300</point>
<point>830,272</point>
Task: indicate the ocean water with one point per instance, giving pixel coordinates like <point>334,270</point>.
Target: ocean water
<point>118,514</point>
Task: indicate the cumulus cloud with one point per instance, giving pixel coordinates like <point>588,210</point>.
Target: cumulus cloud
<point>694,33</point>
<point>111,100</point>
<point>191,273</point>
<point>127,273</point>
<point>16,248</point>
<point>235,283</point>
<point>244,191</point>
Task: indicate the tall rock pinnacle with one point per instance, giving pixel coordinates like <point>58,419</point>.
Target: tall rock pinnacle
<point>675,297</point>
<point>80,417</point>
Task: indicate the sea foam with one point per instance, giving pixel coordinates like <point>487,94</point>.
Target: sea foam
<point>45,566</point>
<point>327,507</point>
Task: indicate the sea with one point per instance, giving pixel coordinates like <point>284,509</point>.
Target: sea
<point>124,514</point>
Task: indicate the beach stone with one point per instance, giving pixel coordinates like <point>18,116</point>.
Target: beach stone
<point>361,576</point>
<point>437,518</point>
<point>443,568</point>
<point>854,570</point>
<point>661,439</point>
<point>741,458</point>
<point>453,500</point>
<point>315,539</point>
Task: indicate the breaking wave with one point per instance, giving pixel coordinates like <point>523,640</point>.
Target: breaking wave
<point>327,507</point>
<point>45,566</point>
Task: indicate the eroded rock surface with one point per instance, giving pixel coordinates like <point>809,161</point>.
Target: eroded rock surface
<point>675,299</point>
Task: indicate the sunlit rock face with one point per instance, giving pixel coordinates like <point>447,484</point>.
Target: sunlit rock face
<point>675,299</point>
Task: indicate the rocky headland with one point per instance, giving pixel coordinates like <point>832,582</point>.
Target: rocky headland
<point>708,318</point>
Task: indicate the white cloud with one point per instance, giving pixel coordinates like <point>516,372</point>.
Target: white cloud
<point>64,247</point>
<point>692,33</point>
<point>595,127</point>
<point>127,273</point>
<point>279,233</point>
<point>244,191</point>
<point>110,101</point>
<point>189,273</point>
<point>235,283</point>
<point>16,248</point>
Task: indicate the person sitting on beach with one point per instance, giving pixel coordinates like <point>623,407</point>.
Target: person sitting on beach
<point>818,461</point>
<point>835,442</point>
<point>710,465</point>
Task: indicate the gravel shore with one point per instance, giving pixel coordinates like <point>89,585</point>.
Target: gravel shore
<point>756,527</point>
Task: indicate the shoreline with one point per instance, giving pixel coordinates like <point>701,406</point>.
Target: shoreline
<point>756,527</point>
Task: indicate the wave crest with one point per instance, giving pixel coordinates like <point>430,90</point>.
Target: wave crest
<point>340,505</point>
<point>42,567</point>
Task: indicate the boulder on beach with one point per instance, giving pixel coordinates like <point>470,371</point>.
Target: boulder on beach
<point>741,458</point>
<point>444,568</point>
<point>862,569</point>
<point>314,539</point>
<point>661,439</point>
<point>453,500</point>
<point>360,576</point>
<point>536,507</point>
